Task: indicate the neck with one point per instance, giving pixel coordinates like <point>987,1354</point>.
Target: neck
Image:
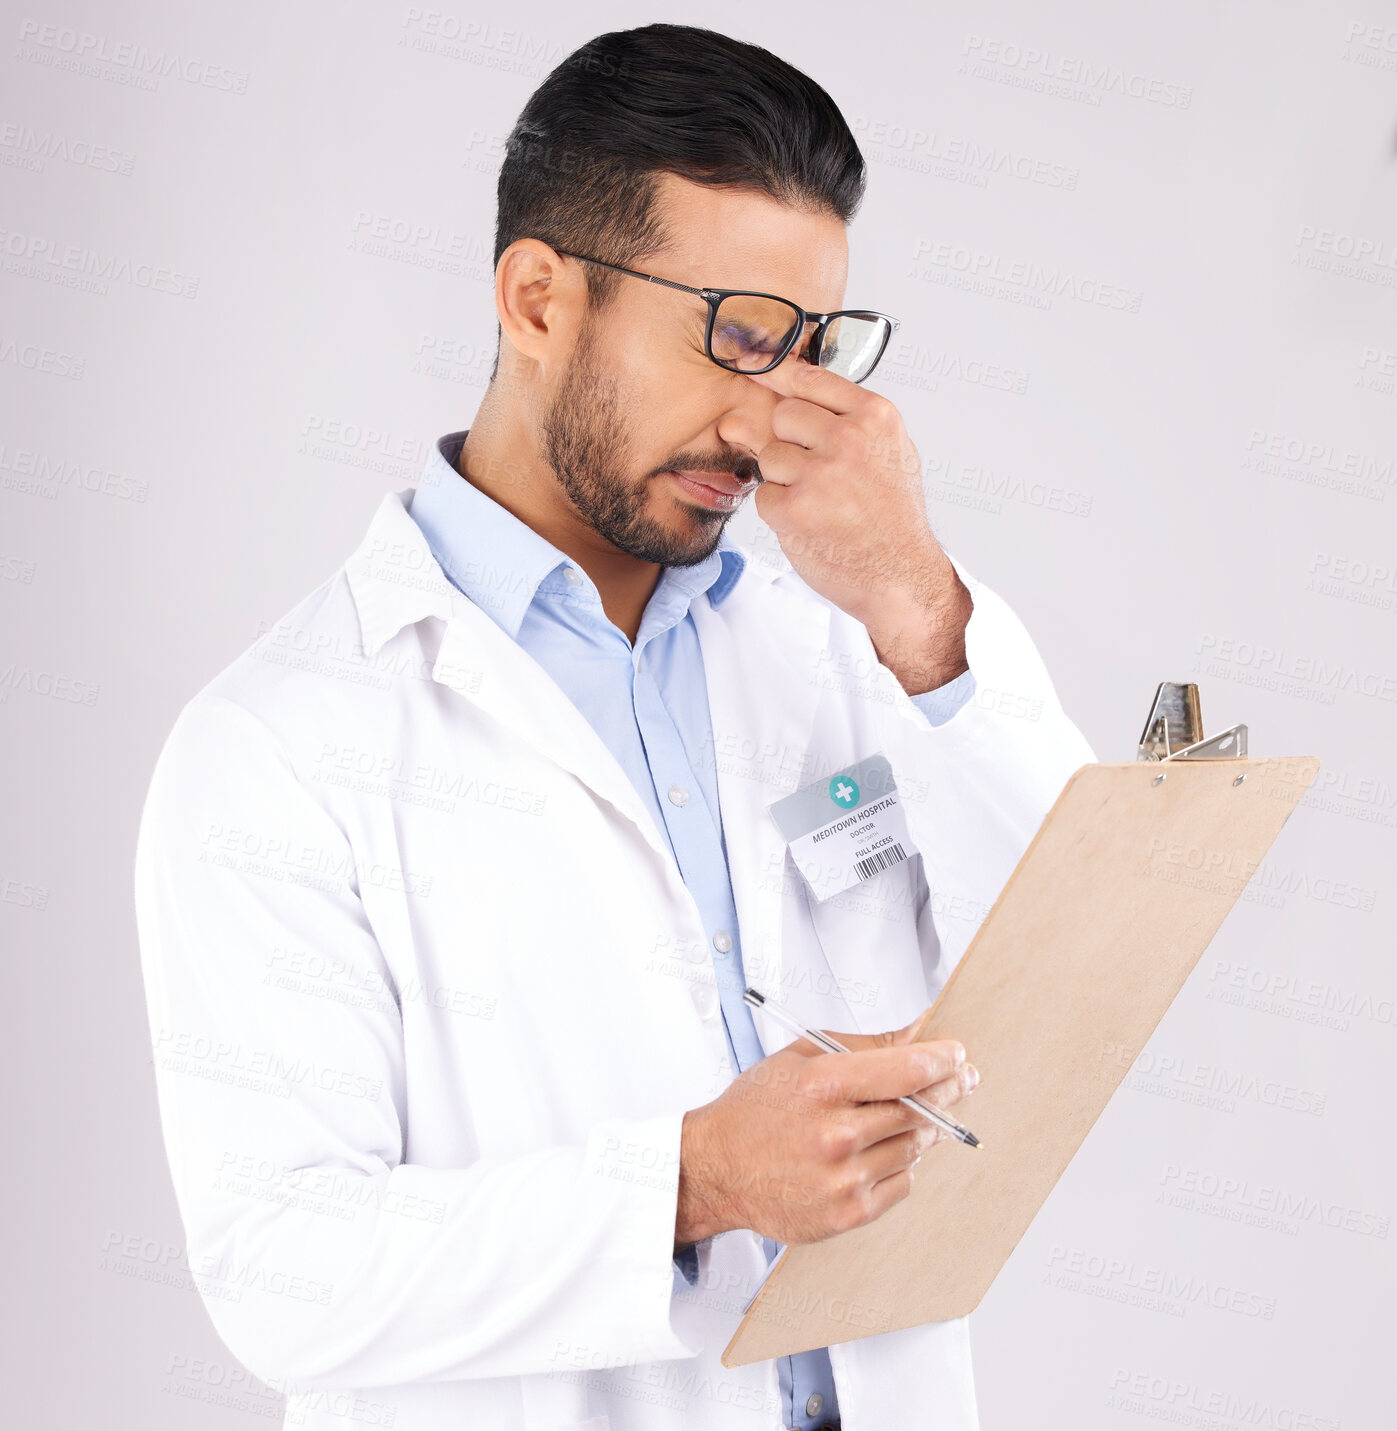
<point>500,457</point>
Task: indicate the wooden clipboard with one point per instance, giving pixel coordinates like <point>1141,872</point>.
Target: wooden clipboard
<point>1112,905</point>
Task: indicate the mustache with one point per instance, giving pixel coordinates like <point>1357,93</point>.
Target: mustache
<point>739,464</point>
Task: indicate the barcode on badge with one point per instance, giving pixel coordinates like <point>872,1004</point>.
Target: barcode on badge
<point>891,856</point>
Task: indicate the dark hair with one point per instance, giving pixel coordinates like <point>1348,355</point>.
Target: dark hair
<point>580,163</point>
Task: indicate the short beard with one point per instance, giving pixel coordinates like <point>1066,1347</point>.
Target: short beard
<point>584,442</point>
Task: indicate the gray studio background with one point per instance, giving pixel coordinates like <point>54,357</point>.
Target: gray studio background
<point>1146,266</point>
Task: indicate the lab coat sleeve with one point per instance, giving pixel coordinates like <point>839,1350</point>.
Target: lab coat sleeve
<point>939,705</point>
<point>323,1258</point>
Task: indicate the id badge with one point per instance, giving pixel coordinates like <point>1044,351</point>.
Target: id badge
<point>847,828</point>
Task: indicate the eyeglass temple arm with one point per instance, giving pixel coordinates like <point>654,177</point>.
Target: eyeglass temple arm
<point>634,273</point>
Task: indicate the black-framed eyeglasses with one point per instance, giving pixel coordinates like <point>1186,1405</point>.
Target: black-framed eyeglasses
<point>753,332</point>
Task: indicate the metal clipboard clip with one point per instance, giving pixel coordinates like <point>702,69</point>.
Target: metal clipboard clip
<point>1174,730</point>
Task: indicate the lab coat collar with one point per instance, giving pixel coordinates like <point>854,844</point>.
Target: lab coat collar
<point>501,562</point>
<point>395,579</point>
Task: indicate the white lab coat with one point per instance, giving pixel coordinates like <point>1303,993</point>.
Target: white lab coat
<point>429,998</point>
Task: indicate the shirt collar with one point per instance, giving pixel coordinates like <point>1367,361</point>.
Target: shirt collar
<point>503,565</point>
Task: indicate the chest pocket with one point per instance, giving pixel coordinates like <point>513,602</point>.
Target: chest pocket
<point>854,961</point>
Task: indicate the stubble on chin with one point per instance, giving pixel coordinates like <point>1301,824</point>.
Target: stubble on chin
<point>584,442</point>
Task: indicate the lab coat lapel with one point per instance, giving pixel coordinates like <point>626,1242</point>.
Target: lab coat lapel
<point>762,652</point>
<point>480,662</point>
<point>396,580</point>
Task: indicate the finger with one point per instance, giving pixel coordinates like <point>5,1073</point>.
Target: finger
<point>885,1118</point>
<point>856,1042</point>
<point>951,1090</point>
<point>890,1192</point>
<point>793,377</point>
<point>872,1075</point>
<point>804,424</point>
<point>891,1155</point>
<point>876,1121</point>
<point>889,1038</point>
<point>780,462</point>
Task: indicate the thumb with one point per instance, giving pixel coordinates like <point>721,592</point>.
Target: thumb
<point>857,1042</point>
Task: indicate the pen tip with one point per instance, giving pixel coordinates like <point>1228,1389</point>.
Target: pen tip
<point>972,1140</point>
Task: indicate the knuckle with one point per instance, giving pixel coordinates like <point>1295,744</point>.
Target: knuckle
<point>851,436</point>
<point>845,1187</point>
<point>836,1141</point>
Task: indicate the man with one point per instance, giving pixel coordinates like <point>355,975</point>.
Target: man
<point>449,887</point>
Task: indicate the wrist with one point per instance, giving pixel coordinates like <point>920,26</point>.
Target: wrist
<point>922,641</point>
<point>697,1211</point>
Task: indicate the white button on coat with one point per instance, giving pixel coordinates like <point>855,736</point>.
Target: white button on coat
<point>445,1001</point>
<point>705,998</point>
<point>678,795</point>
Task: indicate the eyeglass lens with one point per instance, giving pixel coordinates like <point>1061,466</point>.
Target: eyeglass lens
<point>749,330</point>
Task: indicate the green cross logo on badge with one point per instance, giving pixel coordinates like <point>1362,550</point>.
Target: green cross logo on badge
<point>844,791</point>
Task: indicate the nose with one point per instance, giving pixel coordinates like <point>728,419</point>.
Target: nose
<point>745,425</point>
<point>805,344</point>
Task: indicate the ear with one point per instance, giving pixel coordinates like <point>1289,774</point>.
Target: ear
<point>540,298</point>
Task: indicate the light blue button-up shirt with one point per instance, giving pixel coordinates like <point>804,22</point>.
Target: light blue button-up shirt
<point>649,703</point>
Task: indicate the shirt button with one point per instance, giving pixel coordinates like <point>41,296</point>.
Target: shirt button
<point>678,795</point>
<point>705,998</point>
<point>722,942</point>
<point>815,1405</point>
<point>572,575</point>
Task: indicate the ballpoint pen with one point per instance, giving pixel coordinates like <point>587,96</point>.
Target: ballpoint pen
<point>784,1017</point>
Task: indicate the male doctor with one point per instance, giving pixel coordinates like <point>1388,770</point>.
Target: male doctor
<point>448,888</point>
